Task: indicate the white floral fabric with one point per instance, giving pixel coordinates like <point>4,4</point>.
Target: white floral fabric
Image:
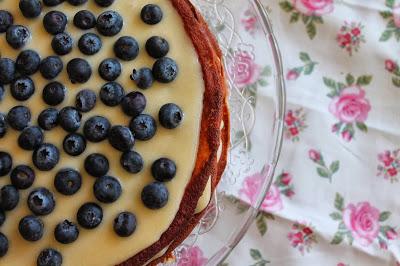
<point>335,199</point>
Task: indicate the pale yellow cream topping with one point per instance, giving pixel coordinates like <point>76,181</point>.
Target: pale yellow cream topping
<point>102,246</point>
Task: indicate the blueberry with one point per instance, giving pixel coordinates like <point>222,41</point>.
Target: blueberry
<point>22,177</point>
<point>112,93</point>
<point>155,195</point>
<point>77,2</point>
<point>41,201</point>
<point>74,144</point>
<point>96,165</point>
<point>107,189</point>
<point>110,69</point>
<point>46,157</point>
<point>9,197</point>
<point>55,22</point>
<point>17,36</point>
<point>2,217</point>
<point>5,163</point>
<point>157,47</point>
<point>51,67</point>
<point>30,8</point>
<point>143,78</point>
<point>165,70</point>
<point>28,62</point>
<point>104,3</point>
<point>31,228</point>
<point>163,170</point>
<point>68,181</point>
<point>69,119</point>
<point>90,43</point>
<point>3,245</point>
<point>52,2</point>
<point>132,162</point>
<point>170,116</point>
<point>85,100</point>
<point>125,224</point>
<point>6,20</point>
<point>48,119</point>
<point>2,92</point>
<point>54,93</point>
<point>84,20</point>
<point>22,88</point>
<point>79,70</point>
<point>109,23</point>
<point>31,138</point>
<point>3,125</point>
<point>151,14</point>
<point>19,117</point>
<point>134,103</point>
<point>49,257</point>
<point>62,43</point>
<point>66,232</point>
<point>121,138</point>
<point>89,215</point>
<point>96,129</point>
<point>126,48</point>
<point>143,126</point>
<point>7,70</point>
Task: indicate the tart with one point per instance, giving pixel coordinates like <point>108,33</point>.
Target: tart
<point>114,129</point>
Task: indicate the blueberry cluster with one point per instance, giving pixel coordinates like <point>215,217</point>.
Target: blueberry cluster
<point>45,156</point>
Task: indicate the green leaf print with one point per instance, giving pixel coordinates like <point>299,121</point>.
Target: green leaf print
<point>255,254</point>
<point>350,79</point>
<point>311,30</point>
<point>364,80</point>
<point>261,224</point>
<point>396,82</point>
<point>295,17</point>
<point>337,238</point>
<point>336,216</point>
<point>304,57</point>
<point>339,202</point>
<point>286,5</point>
<point>362,126</point>
<point>384,216</point>
<point>334,167</point>
<point>386,35</point>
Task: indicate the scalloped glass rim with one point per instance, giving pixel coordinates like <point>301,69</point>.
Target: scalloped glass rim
<point>243,120</point>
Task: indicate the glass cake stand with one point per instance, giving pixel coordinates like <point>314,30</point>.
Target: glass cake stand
<point>257,107</point>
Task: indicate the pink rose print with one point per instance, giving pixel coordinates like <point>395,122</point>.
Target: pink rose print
<point>246,74</point>
<point>349,105</point>
<point>350,37</point>
<point>313,7</point>
<point>307,68</point>
<point>393,17</point>
<point>245,71</point>
<point>393,68</point>
<point>191,256</point>
<point>389,165</point>
<point>302,237</point>
<point>390,65</point>
<point>251,188</point>
<point>342,264</point>
<point>249,21</point>
<point>284,183</point>
<point>295,123</point>
<point>292,75</point>
<point>362,223</point>
<point>396,15</point>
<point>322,169</point>
<point>308,11</point>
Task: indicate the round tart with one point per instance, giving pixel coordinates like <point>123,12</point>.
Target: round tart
<point>114,129</point>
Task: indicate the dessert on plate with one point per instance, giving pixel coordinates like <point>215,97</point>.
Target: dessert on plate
<point>114,129</point>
